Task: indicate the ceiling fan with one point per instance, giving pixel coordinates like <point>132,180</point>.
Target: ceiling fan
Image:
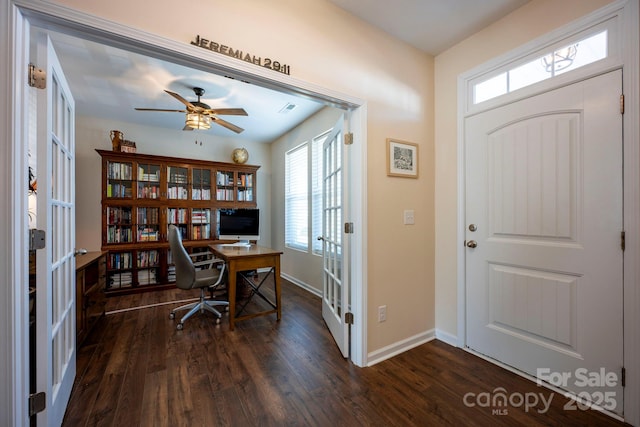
<point>199,115</point>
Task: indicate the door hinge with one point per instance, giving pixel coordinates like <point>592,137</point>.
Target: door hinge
<point>622,240</point>
<point>348,318</point>
<point>348,138</point>
<point>622,104</point>
<point>36,239</point>
<point>37,77</point>
<point>348,228</point>
<point>37,403</point>
<point>623,377</point>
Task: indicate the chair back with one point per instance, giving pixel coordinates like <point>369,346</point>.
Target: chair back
<point>185,270</point>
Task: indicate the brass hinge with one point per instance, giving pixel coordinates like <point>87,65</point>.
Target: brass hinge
<point>37,77</point>
<point>348,228</point>
<point>37,403</point>
<point>348,138</point>
<point>622,240</point>
<point>623,377</point>
<point>348,318</point>
<point>622,104</point>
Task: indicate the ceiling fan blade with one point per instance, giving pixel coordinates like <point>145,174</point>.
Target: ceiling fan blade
<point>156,109</point>
<point>181,99</point>
<point>227,111</point>
<point>226,124</point>
<point>187,128</point>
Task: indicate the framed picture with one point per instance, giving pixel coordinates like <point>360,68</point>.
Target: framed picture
<point>402,158</point>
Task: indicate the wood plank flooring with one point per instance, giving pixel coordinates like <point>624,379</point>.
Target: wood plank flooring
<point>135,369</point>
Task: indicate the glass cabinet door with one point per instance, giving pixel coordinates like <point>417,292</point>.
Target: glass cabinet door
<point>177,183</point>
<point>148,181</point>
<point>119,225</point>
<point>200,184</point>
<point>245,187</point>
<point>200,224</point>
<point>224,186</point>
<point>119,180</point>
<point>178,217</point>
<point>148,223</point>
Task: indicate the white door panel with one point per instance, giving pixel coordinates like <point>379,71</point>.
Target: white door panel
<point>55,324</point>
<point>335,290</point>
<point>544,189</point>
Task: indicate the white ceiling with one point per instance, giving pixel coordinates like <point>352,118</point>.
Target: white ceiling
<point>108,82</point>
<point>432,26</point>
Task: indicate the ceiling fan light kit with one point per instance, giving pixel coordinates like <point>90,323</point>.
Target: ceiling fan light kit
<point>198,121</point>
<point>199,115</point>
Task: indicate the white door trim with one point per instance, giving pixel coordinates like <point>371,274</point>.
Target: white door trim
<point>627,12</point>
<point>14,301</point>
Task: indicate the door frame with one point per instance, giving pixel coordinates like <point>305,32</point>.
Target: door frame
<point>15,15</point>
<point>627,57</point>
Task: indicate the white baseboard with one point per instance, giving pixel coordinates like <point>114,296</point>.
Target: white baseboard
<point>447,337</point>
<point>399,347</point>
<point>301,284</point>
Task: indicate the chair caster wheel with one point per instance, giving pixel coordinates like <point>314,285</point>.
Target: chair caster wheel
<point>179,326</point>
<point>172,316</point>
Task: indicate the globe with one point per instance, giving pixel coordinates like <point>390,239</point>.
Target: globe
<point>240,155</point>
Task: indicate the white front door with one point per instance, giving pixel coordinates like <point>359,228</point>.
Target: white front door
<point>335,289</point>
<point>544,262</point>
<point>56,284</point>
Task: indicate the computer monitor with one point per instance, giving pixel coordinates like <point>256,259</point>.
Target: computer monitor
<point>239,224</point>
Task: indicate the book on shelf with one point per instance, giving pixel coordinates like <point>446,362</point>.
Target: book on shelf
<point>144,176</point>
<point>148,216</point>
<point>147,277</point>
<point>201,194</point>
<point>120,260</point>
<point>116,234</point>
<point>148,235</point>
<point>118,170</point>
<point>120,280</point>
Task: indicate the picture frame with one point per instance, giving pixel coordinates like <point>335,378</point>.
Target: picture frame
<point>402,158</point>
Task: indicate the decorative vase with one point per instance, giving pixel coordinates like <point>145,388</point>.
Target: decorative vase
<point>116,139</point>
<point>240,155</point>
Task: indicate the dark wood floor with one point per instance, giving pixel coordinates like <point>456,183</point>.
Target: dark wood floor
<point>135,369</point>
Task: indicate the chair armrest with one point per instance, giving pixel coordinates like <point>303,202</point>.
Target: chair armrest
<point>208,263</point>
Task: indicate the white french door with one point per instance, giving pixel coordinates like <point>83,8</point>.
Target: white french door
<point>544,264</point>
<point>335,268</point>
<point>56,284</point>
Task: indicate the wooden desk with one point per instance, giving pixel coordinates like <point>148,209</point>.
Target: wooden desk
<point>91,270</point>
<point>240,258</point>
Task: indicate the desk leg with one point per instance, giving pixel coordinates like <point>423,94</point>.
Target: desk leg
<point>231,284</point>
<point>278,288</point>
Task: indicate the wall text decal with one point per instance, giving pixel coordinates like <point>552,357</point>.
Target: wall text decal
<point>243,56</point>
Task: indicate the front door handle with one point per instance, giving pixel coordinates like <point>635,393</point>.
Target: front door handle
<point>472,244</point>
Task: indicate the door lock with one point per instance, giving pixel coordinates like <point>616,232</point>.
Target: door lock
<point>472,244</point>
<point>472,227</point>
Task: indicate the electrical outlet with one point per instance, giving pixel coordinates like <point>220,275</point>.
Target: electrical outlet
<point>409,217</point>
<point>382,313</point>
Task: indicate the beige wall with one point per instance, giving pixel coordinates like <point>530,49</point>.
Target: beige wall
<point>93,133</point>
<point>326,46</point>
<point>533,20</point>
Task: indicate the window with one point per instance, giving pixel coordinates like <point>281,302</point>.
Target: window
<point>303,195</point>
<point>296,211</point>
<point>548,65</point>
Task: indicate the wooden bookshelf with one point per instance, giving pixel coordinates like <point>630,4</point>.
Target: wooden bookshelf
<point>142,194</point>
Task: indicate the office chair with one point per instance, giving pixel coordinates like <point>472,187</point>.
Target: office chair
<point>189,277</point>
